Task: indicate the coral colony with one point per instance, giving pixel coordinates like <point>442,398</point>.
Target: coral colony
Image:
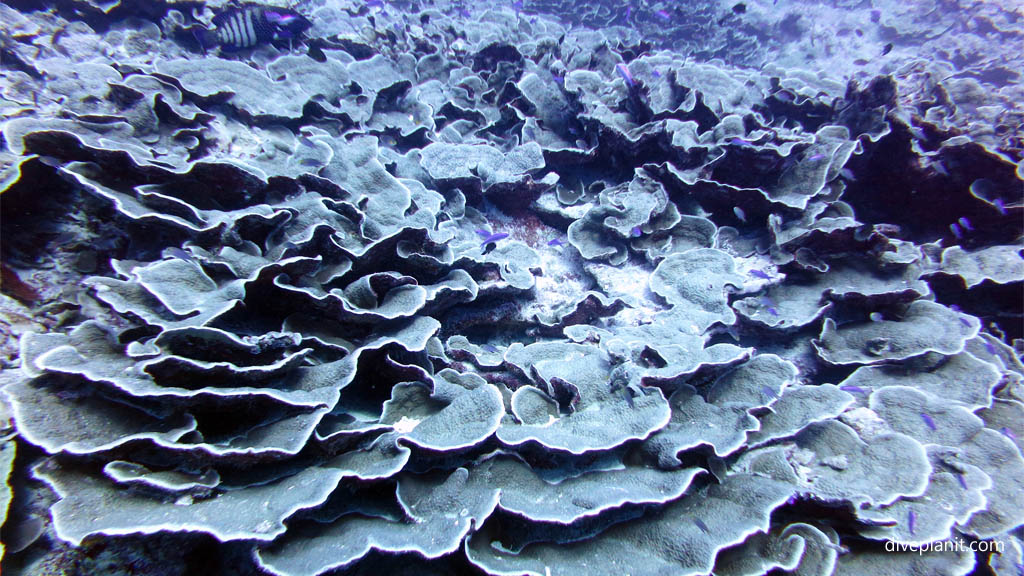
<point>537,287</point>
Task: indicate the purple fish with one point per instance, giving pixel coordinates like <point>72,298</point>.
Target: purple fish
<point>663,15</point>
<point>629,12</point>
<point>816,157</point>
<point>758,273</point>
<point>556,242</point>
<point>626,74</point>
<point>482,233</point>
<point>517,5</point>
<point>1000,205</point>
<point>963,482</point>
<point>741,142</point>
<point>1008,433</point>
<point>494,238</point>
<point>911,521</point>
<point>853,389</point>
<point>767,391</point>
<point>635,232</point>
<point>783,96</point>
<point>955,229</point>
<point>655,74</point>
<point>559,79</point>
<point>965,322</point>
<point>928,421</point>
<point>955,308</point>
<point>769,306</point>
<point>966,224</point>
<point>700,524</point>
<point>465,13</point>
<point>489,348</point>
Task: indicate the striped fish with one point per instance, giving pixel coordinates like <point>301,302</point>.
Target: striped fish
<point>252,25</point>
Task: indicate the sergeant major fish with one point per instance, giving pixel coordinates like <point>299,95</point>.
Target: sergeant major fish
<point>252,25</point>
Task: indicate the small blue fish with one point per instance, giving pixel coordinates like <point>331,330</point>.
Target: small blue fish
<point>629,12</point>
<point>700,524</point>
<point>310,162</point>
<point>769,306</point>
<point>758,273</point>
<point>853,389</point>
<point>655,74</point>
<point>966,224</point>
<point>990,348</point>
<point>848,174</point>
<point>1000,205</point>
<point>556,242</point>
<point>175,252</point>
<point>876,317</point>
<point>558,78</point>
<point>489,348</point>
<point>928,421</point>
<point>955,229</point>
<point>956,308</point>
<point>626,75</point>
<point>963,482</point>
<point>494,238</point>
<point>739,213</point>
<point>767,391</point>
<point>635,232</point>
<point>816,157</point>
<point>1008,433</point>
<point>911,521</point>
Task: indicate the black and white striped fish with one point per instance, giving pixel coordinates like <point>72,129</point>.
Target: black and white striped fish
<point>252,25</point>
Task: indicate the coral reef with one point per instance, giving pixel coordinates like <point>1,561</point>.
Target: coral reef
<point>449,288</point>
